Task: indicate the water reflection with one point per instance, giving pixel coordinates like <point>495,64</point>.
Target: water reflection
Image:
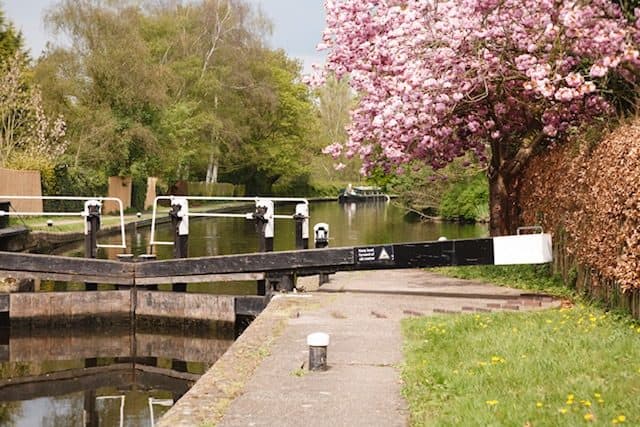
<point>105,377</point>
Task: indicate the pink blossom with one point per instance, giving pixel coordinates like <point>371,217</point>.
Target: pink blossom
<point>598,70</point>
<point>565,94</point>
<point>574,79</point>
<point>334,150</point>
<point>521,66</point>
<point>550,130</point>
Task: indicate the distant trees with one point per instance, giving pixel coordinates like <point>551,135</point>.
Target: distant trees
<point>29,137</point>
<point>185,91</point>
<point>10,39</point>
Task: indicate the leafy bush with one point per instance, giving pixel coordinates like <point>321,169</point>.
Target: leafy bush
<point>70,181</point>
<point>467,199</point>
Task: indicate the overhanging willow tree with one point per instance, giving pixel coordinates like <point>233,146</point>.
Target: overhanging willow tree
<point>500,79</point>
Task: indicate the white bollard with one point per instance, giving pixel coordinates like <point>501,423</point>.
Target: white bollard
<point>318,343</point>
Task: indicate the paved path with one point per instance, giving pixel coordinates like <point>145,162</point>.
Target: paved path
<point>361,311</point>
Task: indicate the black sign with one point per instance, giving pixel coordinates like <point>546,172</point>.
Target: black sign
<point>374,255</point>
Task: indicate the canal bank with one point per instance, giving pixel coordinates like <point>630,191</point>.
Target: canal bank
<point>263,380</point>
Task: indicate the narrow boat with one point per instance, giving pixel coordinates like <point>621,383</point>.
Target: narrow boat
<point>361,194</point>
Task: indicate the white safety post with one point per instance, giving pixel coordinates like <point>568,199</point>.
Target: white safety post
<point>321,237</point>
<point>302,225</point>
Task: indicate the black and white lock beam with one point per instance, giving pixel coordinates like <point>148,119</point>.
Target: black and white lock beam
<point>506,250</point>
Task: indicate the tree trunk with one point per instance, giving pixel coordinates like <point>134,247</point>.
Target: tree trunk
<point>503,204</point>
<point>212,170</point>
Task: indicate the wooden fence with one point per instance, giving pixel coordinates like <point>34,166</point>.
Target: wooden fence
<point>119,187</point>
<point>22,183</point>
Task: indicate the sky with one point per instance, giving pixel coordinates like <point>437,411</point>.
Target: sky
<point>297,25</point>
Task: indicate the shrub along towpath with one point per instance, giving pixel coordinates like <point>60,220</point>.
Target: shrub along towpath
<point>263,379</point>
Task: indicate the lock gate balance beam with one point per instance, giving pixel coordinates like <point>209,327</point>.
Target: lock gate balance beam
<point>522,249</point>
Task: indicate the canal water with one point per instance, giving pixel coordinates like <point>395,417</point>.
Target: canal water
<point>101,376</point>
<point>350,224</point>
<point>113,377</point>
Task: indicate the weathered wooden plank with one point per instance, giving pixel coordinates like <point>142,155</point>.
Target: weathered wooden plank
<point>185,306</point>
<point>259,262</point>
<point>250,266</point>
<point>62,277</point>
<point>4,303</point>
<point>200,278</point>
<point>69,304</point>
<point>57,264</point>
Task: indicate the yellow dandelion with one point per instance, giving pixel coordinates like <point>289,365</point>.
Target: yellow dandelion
<point>597,395</point>
<point>562,410</point>
<point>621,418</point>
<point>569,396</point>
<point>600,401</point>
<point>539,405</point>
<point>492,402</point>
<point>588,416</point>
<point>586,403</point>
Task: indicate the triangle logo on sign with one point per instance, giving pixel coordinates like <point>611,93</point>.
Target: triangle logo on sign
<point>383,255</point>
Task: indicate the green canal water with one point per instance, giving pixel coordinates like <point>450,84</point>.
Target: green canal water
<point>350,224</point>
<point>120,377</point>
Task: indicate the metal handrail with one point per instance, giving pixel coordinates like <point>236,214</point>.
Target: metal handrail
<point>530,228</point>
<point>123,245</point>
<point>152,237</point>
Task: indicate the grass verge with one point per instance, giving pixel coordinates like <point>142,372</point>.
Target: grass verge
<point>572,366</point>
<point>535,278</point>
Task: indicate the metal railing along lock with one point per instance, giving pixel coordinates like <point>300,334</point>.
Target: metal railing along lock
<point>264,216</point>
<point>92,212</point>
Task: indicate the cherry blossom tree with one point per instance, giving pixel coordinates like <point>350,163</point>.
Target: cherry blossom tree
<point>29,138</point>
<point>498,80</point>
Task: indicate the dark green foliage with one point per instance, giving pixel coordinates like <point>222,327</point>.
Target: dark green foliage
<point>11,40</point>
<point>467,199</point>
<point>70,181</point>
<point>627,7</point>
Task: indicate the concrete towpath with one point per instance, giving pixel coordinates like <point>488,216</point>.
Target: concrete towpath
<point>263,380</point>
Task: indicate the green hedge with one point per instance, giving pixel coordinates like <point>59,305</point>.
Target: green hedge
<point>221,189</point>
